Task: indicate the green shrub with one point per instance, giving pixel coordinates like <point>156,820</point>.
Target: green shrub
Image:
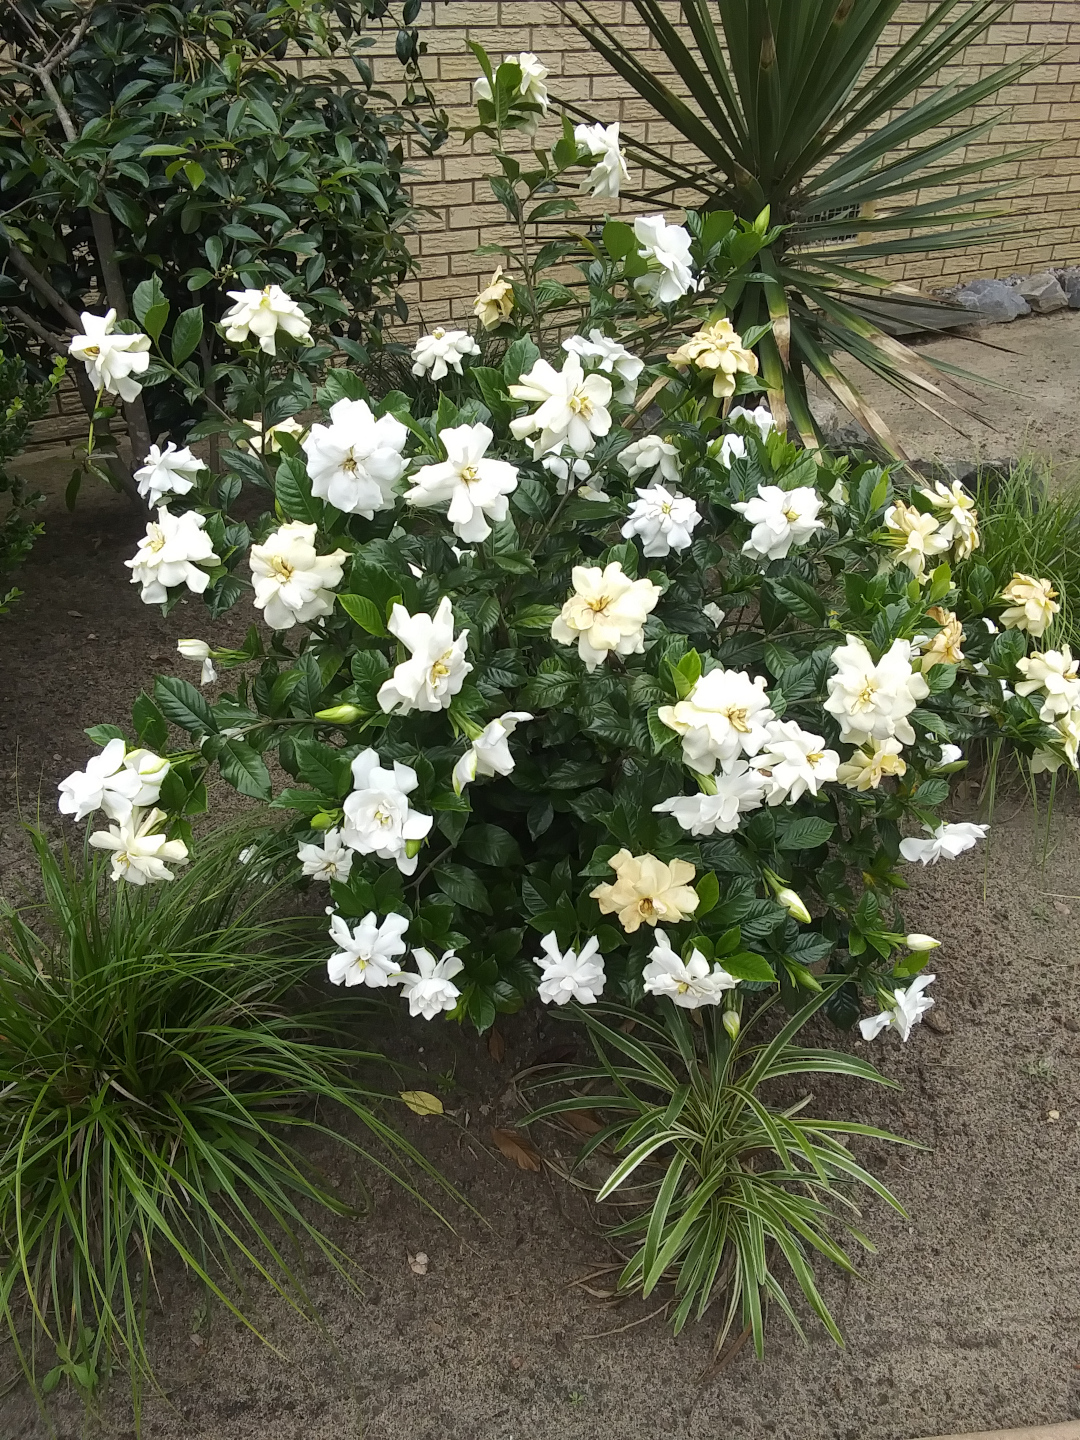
<point>22,401</point>
<point>159,1073</point>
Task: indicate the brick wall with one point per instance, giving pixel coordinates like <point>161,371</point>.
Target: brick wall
<point>1044,107</point>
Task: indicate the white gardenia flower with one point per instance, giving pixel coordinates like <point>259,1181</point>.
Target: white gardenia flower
<point>475,487</point>
<point>378,819</point>
<point>690,983</point>
<point>651,456</point>
<point>946,842</point>
<point>667,248</point>
<point>569,474</point>
<point>781,518</point>
<point>111,358</point>
<point>140,852</point>
<point>664,519</point>
<point>432,990</point>
<point>612,358</point>
<point>355,461</point>
<point>442,351</point>
<point>115,781</point>
<point>436,668</point>
<point>293,584</point>
<point>271,439</point>
<point>960,527</point>
<point>1054,672</point>
<point>950,754</point>
<point>170,553</point>
<point>761,416</point>
<point>917,536</point>
<point>489,754</point>
<point>571,407</point>
<point>909,1007</point>
<point>793,761</point>
<point>532,88</point>
<point>263,313</point>
<point>713,612</point>
<point>332,860</point>
<point>872,701</point>
<point>739,789</point>
<point>605,614</point>
<point>602,142</point>
<point>199,651</point>
<point>367,955</point>
<point>570,974</point>
<point>724,716</point>
<point>732,447</point>
<point>167,472</point>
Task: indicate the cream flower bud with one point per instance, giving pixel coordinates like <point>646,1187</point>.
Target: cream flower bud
<point>921,942</point>
<point>793,905</point>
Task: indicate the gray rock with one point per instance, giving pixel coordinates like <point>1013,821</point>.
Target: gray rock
<point>1069,280</point>
<point>994,301</point>
<point>1043,293</point>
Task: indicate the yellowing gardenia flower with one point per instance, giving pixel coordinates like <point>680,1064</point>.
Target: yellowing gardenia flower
<point>724,716</point>
<point>570,974</point>
<point>271,440</point>
<point>489,754</point>
<point>436,668</point>
<point>167,472</point>
<point>571,407</point>
<point>332,860</point>
<point>944,648</point>
<point>378,818</point>
<point>960,523</point>
<point>1054,672</point>
<point>866,769</point>
<point>651,456</point>
<point>666,249</point>
<point>872,701</point>
<point>664,519</point>
<point>141,853</point>
<point>793,762</point>
<point>293,584</point>
<point>475,487</point>
<point>263,313</point>
<point>781,518</point>
<point>612,358</point>
<point>907,1009</point>
<point>717,350</point>
<point>115,781</point>
<point>170,553</point>
<point>947,841</point>
<point>606,176</point>
<point>916,536</point>
<point>111,358</point>
<point>690,983</point>
<point>368,954</point>
<point>495,303</point>
<point>605,614</point>
<point>646,891</point>
<point>1032,604</point>
<point>199,651</point>
<point>441,351</point>
<point>356,460</point>
<point>739,789</point>
<point>430,991</point>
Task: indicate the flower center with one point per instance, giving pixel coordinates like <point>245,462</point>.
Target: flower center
<point>92,350</point>
<point>647,907</point>
<point>580,404</point>
<point>738,717</point>
<point>349,464</point>
<point>155,538</point>
<point>382,817</point>
<point>665,509</point>
<point>439,670</point>
<point>867,693</point>
<point>281,568</point>
<point>438,333</point>
<point>469,475</point>
<point>815,758</point>
<point>598,606</point>
<point>791,516</point>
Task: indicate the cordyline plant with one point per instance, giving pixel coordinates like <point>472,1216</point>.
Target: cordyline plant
<point>858,165</point>
<point>576,697</point>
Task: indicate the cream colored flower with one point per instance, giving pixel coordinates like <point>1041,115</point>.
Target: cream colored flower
<point>866,769</point>
<point>717,349</point>
<point>960,523</point>
<point>494,304</point>
<point>944,648</point>
<point>646,891</point>
<point>724,716</point>
<point>1032,604</point>
<point>606,613</point>
<point>1054,672</point>
<point>271,439</point>
<point>917,537</point>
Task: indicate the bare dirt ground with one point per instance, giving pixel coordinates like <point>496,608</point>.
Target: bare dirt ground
<point>968,1316</point>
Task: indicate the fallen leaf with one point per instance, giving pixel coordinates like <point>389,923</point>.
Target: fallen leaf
<point>496,1046</point>
<point>585,1122</point>
<point>518,1148</point>
<point>418,1263</point>
<point>554,1055</point>
<point>422,1102</point>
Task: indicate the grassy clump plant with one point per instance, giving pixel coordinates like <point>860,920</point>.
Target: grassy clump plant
<point>159,1073</point>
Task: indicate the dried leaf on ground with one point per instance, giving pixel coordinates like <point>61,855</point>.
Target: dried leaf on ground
<point>518,1148</point>
<point>496,1046</point>
<point>418,1263</point>
<point>585,1122</point>
<point>422,1102</point>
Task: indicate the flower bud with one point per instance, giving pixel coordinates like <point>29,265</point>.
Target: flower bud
<point>193,649</point>
<point>793,905</point>
<point>340,714</point>
<point>323,821</point>
<point>921,942</point>
<point>732,1023</point>
<point>413,847</point>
